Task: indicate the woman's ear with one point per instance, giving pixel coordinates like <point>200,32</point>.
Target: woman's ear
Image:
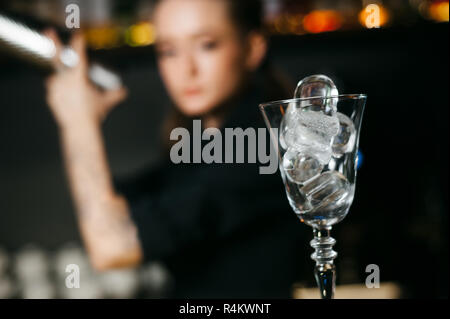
<point>257,49</point>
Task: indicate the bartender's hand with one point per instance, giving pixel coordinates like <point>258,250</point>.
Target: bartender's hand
<point>71,97</point>
<point>106,227</point>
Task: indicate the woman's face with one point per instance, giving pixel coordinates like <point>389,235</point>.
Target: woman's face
<point>201,56</point>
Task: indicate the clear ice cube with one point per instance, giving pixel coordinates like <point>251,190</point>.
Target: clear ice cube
<point>319,152</point>
<point>299,167</point>
<point>330,188</point>
<point>282,133</point>
<point>297,199</point>
<point>318,86</point>
<point>344,141</point>
<point>310,133</point>
<point>317,123</point>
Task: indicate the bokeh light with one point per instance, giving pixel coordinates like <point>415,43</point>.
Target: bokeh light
<point>322,21</point>
<point>438,11</point>
<point>140,34</point>
<point>103,37</point>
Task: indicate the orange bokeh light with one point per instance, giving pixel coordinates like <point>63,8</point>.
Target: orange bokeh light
<point>103,37</point>
<point>322,21</point>
<point>439,11</point>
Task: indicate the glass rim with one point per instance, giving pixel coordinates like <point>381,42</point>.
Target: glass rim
<point>346,96</point>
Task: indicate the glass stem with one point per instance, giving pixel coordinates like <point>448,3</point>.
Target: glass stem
<point>324,255</point>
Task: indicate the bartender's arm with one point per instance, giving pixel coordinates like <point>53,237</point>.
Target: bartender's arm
<point>106,227</point>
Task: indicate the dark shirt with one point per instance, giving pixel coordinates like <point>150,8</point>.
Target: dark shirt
<point>222,230</point>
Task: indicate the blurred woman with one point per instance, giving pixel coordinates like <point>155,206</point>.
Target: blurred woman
<point>223,230</point>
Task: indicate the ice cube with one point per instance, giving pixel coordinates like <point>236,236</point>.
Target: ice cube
<point>330,188</point>
<point>282,133</point>
<point>318,86</point>
<point>317,123</point>
<point>318,151</point>
<point>344,141</point>
<point>288,119</point>
<point>297,199</point>
<point>299,167</point>
<point>310,133</point>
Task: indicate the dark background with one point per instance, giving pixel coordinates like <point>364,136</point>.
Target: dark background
<point>399,218</point>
